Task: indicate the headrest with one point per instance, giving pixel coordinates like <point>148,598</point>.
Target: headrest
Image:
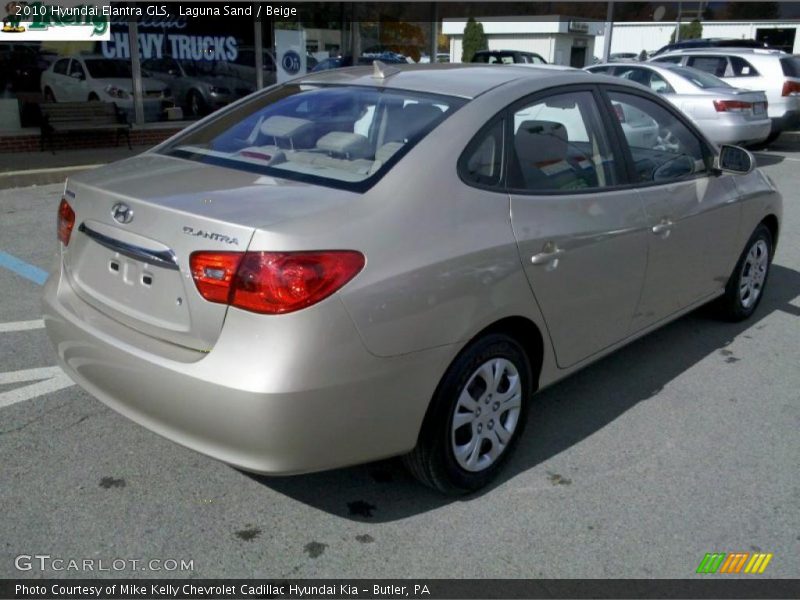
<point>541,142</point>
<point>349,145</point>
<point>418,116</point>
<point>279,126</point>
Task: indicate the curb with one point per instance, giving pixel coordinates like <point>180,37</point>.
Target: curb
<point>15,179</point>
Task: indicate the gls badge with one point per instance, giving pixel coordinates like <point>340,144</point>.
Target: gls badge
<point>217,237</point>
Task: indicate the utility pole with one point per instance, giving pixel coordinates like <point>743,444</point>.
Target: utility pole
<point>609,31</point>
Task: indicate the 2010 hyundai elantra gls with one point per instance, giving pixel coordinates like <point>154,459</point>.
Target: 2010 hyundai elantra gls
<point>385,261</point>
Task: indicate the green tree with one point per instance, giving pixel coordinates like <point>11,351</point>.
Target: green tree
<point>689,31</point>
<point>474,40</point>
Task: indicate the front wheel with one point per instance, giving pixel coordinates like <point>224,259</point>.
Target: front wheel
<point>749,278</point>
<point>475,418</point>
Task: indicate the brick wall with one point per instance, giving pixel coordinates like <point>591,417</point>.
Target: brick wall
<point>79,139</point>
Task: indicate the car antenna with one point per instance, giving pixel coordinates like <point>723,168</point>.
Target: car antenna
<point>382,70</point>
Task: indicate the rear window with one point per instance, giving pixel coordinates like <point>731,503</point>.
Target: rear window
<point>699,78</point>
<point>791,66</point>
<point>339,136</point>
<point>505,58</point>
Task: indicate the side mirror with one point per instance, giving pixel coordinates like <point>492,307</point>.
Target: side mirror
<point>733,159</point>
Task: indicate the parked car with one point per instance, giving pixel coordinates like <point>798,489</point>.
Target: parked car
<point>623,57</point>
<point>243,66</point>
<point>93,78</point>
<point>727,115</point>
<point>773,71</point>
<point>284,294</point>
<point>507,57</point>
<point>339,62</point>
<point>709,43</point>
<point>198,86</point>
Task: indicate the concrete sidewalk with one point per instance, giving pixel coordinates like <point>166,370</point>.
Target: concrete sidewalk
<point>22,169</point>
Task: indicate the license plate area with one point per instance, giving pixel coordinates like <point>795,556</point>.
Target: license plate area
<point>130,290</point>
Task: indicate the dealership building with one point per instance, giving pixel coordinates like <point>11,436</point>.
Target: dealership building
<point>162,71</point>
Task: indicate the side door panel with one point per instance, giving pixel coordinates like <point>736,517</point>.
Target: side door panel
<point>692,214</point>
<point>582,243</point>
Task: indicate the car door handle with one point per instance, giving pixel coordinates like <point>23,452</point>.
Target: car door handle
<point>663,228</point>
<point>547,256</point>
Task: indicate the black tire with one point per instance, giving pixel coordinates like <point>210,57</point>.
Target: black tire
<point>433,461</point>
<point>765,144</point>
<point>94,97</point>
<point>49,96</point>
<point>734,305</point>
<point>195,104</point>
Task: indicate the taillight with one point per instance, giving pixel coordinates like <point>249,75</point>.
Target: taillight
<point>790,87</point>
<point>273,282</point>
<point>732,106</point>
<point>66,221</point>
<point>213,273</point>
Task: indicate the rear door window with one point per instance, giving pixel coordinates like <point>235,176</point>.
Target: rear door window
<point>742,68</point>
<point>716,65</point>
<point>559,144</point>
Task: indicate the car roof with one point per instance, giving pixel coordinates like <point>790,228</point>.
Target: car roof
<point>724,50</point>
<point>465,80</point>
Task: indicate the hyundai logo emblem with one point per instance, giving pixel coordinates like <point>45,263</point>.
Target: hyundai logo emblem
<point>122,213</point>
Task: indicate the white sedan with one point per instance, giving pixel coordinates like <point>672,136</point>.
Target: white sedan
<point>95,78</point>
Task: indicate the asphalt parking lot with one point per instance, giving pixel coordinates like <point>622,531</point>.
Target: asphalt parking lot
<point>683,443</point>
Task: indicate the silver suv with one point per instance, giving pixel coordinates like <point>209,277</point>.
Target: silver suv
<point>773,71</point>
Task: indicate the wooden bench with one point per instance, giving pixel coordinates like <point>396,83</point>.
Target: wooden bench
<point>69,117</point>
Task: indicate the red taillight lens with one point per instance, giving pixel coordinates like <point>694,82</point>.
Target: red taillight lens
<point>732,106</point>
<point>273,282</point>
<point>790,87</point>
<point>66,221</point>
<point>213,273</point>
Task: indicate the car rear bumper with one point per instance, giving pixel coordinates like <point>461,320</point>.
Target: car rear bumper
<point>739,132</point>
<point>315,406</point>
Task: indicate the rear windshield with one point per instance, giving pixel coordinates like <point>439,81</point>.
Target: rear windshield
<point>791,66</point>
<point>339,136</point>
<point>699,78</point>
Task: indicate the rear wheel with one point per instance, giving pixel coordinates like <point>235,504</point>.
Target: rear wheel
<point>749,278</point>
<point>475,417</point>
<point>48,95</point>
<point>197,106</point>
<point>94,97</point>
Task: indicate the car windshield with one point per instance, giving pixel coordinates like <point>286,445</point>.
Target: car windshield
<point>699,78</point>
<point>340,136</point>
<point>105,69</point>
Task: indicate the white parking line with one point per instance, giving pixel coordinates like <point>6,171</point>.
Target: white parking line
<point>49,379</point>
<point>21,325</point>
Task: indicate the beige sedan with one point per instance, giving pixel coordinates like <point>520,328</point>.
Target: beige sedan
<point>385,261</point>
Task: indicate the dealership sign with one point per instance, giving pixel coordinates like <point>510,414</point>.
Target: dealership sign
<point>65,21</point>
<point>176,45</point>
